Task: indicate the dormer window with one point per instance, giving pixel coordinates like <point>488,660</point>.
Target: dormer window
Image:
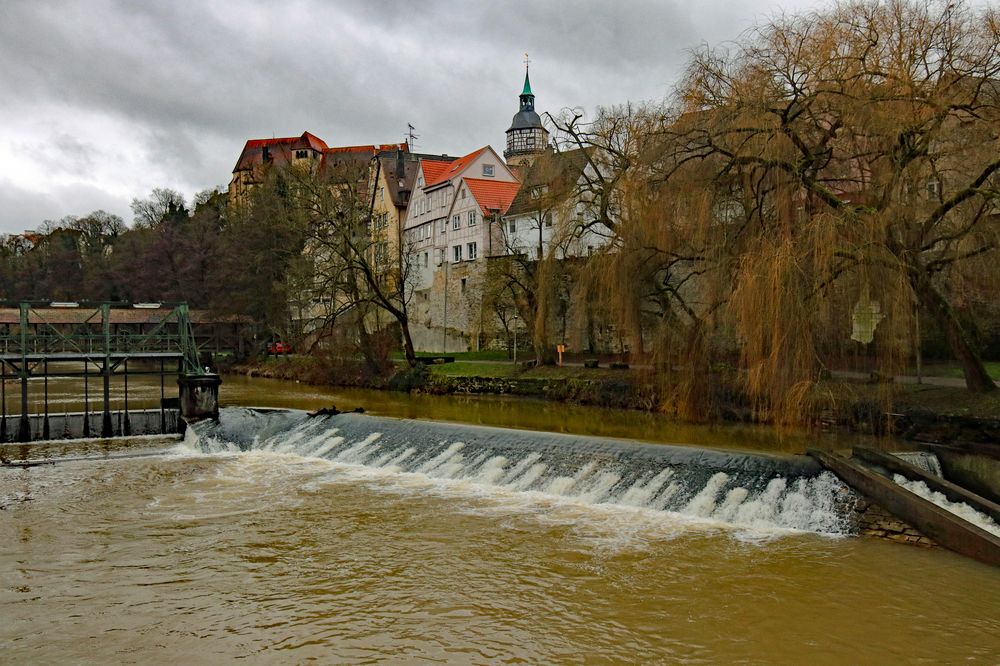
<point>488,170</point>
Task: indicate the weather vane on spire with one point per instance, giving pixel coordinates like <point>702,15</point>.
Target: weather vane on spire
<point>526,61</point>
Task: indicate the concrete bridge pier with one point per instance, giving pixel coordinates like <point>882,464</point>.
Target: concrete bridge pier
<point>199,396</point>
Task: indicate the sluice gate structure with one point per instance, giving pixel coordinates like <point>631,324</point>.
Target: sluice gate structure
<point>96,342</point>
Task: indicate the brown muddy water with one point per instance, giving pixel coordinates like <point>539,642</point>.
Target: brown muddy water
<point>303,547</point>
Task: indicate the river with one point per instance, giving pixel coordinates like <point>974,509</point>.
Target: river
<point>281,555</point>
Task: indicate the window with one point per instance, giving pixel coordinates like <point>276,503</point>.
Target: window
<point>440,256</point>
<point>463,192</point>
<point>512,226</point>
<point>488,170</point>
<point>463,285</point>
<point>427,256</point>
<point>456,222</point>
<point>548,219</point>
<point>444,225</point>
<point>471,251</point>
<point>381,194</point>
<point>933,188</point>
<point>472,218</point>
<point>457,251</point>
<point>301,154</point>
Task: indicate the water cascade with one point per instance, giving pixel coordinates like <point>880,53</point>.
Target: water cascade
<point>746,490</point>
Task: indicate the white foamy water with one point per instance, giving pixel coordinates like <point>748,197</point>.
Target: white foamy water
<point>960,509</point>
<point>574,481</point>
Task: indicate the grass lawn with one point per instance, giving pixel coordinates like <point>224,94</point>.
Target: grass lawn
<point>576,372</point>
<point>481,369</point>
<point>486,355</point>
<point>947,400</point>
<point>903,397</point>
<point>952,369</point>
<point>473,369</point>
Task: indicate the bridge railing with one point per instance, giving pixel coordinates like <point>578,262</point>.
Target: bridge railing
<point>97,330</point>
<point>92,344</point>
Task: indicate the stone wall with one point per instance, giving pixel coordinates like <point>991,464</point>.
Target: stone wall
<point>874,521</point>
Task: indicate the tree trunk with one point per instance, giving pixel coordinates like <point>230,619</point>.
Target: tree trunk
<point>411,355</point>
<point>976,377</point>
<point>365,343</point>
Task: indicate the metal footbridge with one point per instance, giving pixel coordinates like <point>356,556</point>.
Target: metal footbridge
<point>90,340</point>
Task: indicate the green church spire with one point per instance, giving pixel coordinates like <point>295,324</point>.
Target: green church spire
<point>527,97</point>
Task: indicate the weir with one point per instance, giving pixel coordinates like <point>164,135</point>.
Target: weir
<point>749,490</point>
<point>96,342</point>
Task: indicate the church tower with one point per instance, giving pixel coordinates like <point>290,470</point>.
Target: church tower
<point>526,138</point>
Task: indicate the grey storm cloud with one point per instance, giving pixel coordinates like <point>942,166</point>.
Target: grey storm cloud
<point>110,99</point>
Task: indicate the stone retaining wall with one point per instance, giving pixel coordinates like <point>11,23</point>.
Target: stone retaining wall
<point>874,521</point>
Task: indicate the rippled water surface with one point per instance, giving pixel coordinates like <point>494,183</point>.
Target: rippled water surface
<point>152,551</point>
<point>192,558</point>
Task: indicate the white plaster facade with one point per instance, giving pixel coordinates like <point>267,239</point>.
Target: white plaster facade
<point>449,231</point>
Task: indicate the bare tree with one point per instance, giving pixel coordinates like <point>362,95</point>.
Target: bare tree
<point>356,266</point>
<point>163,205</point>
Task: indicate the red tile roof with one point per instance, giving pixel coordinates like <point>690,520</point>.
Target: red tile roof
<point>492,194</point>
<point>314,141</point>
<point>433,170</point>
<point>260,143</point>
<point>454,169</point>
<point>252,155</point>
<point>369,149</point>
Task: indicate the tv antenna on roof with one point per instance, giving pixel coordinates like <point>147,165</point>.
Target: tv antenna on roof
<point>411,138</point>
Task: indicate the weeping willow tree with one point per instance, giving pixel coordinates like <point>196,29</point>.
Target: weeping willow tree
<point>814,188</point>
<point>862,145</point>
<point>611,195</point>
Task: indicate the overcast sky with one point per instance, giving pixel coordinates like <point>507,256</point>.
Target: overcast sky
<point>102,101</point>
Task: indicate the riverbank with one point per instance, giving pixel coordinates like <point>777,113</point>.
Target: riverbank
<point>921,412</point>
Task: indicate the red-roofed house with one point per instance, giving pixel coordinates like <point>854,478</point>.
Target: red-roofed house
<point>307,152</point>
<point>452,224</point>
<point>260,154</point>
